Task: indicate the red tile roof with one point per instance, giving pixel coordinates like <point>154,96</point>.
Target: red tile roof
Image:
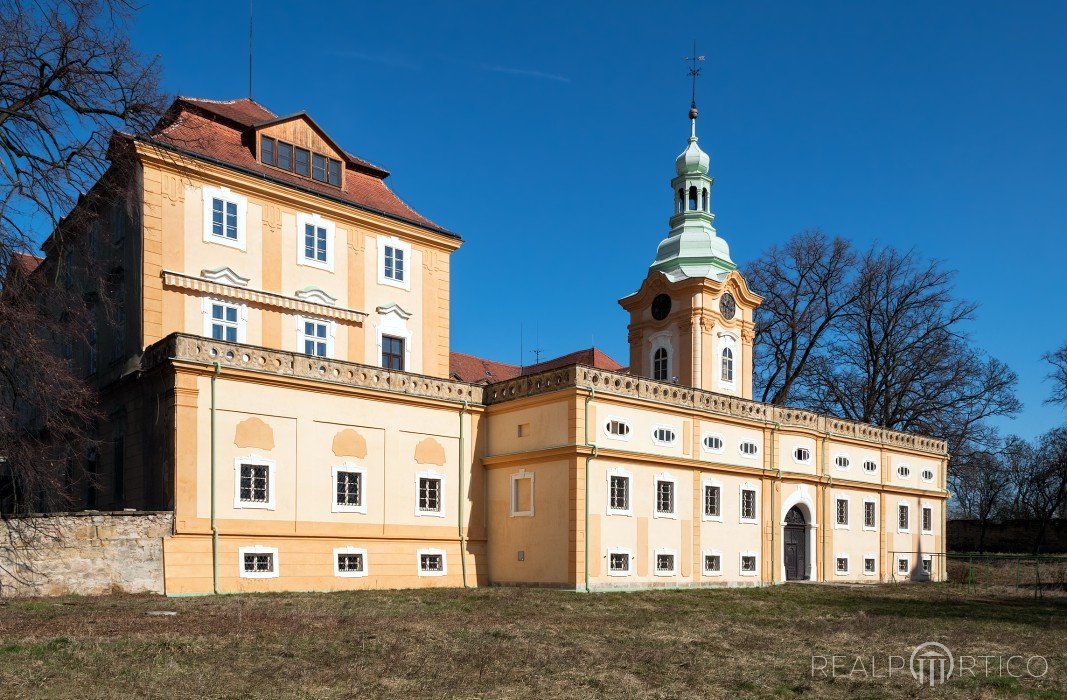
<point>24,262</point>
<point>221,131</point>
<point>476,370</point>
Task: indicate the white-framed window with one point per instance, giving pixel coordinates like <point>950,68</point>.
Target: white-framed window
<point>315,336</point>
<point>257,562</point>
<point>749,448</point>
<point>841,513</point>
<point>870,466</point>
<point>712,497</point>
<point>749,564</point>
<point>927,520</point>
<point>349,489</point>
<point>927,564</point>
<point>253,483</point>
<point>712,563</point>
<point>903,517</point>
<point>842,462</point>
<point>522,494</point>
<point>870,514</point>
<point>712,443</point>
<point>224,217</point>
<point>617,428</point>
<point>664,435</point>
<point>802,455</point>
<point>666,495</point>
<point>727,374</point>
<point>666,561</point>
<point>927,475</point>
<point>620,562</point>
<point>870,565</point>
<point>394,352</point>
<point>430,494</point>
<point>841,564</point>
<point>661,364</point>
<point>394,262</point>
<point>904,471</point>
<point>904,565</point>
<point>395,341</point>
<point>727,357</point>
<point>749,504</point>
<point>432,562</point>
<point>619,483</point>
<point>315,241</point>
<point>349,562</point>
<point>224,320</point>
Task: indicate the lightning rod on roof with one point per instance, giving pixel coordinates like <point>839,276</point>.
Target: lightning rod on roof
<point>250,3</point>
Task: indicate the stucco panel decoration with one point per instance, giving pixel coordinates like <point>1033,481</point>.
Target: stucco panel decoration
<point>429,451</point>
<point>349,443</point>
<point>253,432</point>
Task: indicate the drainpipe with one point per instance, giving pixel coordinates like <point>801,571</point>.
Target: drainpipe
<point>462,536</point>
<point>825,499</point>
<point>588,399</point>
<point>214,524</point>
<point>774,507</point>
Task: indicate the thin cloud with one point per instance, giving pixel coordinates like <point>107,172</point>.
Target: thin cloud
<point>524,72</point>
<point>391,60</point>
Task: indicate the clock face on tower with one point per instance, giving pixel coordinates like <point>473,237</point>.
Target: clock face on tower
<point>727,306</point>
<point>661,306</point>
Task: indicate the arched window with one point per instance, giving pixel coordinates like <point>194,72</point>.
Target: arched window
<point>693,198</point>
<point>704,199</point>
<point>660,364</point>
<point>727,365</point>
<point>681,199</point>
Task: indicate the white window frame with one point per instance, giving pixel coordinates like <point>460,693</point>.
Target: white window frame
<point>848,462</point>
<point>873,502</point>
<point>703,562</point>
<point>344,507</point>
<point>226,195</point>
<point>620,472</point>
<point>747,486</point>
<point>727,341</point>
<point>741,563</point>
<point>903,530</point>
<point>797,459</point>
<point>870,471</point>
<point>331,335</point>
<point>242,318</point>
<point>396,244</point>
<point>318,221</point>
<point>661,340</point>
<point>337,551</point>
<point>257,549</point>
<point>896,564</point>
<point>664,443</point>
<point>922,565</point>
<point>629,561</point>
<point>707,450</point>
<point>872,557</point>
<point>272,482</point>
<point>927,470</point>
<point>624,438</point>
<point>431,551</point>
<point>513,482</point>
<point>922,526</point>
<point>668,479</point>
<point>754,455</point>
<point>655,562</point>
<point>430,474</point>
<point>394,323</point>
<point>848,564</point>
<point>847,525</point>
<point>705,483</point>
<point>903,472</point>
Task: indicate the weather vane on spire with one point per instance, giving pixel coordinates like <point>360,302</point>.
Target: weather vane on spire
<point>694,71</point>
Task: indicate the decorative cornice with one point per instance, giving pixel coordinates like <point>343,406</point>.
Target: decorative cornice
<point>225,275</point>
<point>316,295</point>
<point>393,308</point>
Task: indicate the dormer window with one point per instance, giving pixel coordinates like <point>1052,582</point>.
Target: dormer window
<point>286,156</point>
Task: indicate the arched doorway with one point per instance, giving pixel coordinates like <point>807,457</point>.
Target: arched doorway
<point>795,541</point>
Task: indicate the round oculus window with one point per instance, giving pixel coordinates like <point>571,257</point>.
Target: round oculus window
<point>661,306</point>
<point>727,306</point>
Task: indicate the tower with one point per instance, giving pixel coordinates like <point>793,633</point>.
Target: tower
<point>691,319</point>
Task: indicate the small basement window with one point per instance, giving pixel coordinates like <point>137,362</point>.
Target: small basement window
<point>841,564</point>
<point>431,562</point>
<point>868,565</point>
<point>350,562</point>
<point>712,564</point>
<point>748,564</point>
<point>664,564</point>
<point>903,565</point>
<point>928,565</point>
<point>258,562</point>
<point>619,563</point>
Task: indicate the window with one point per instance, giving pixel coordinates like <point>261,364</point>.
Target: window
<point>928,519</point>
<point>432,562</point>
<point>927,475</point>
<point>712,564</point>
<point>258,562</point>
<point>318,167</point>
<point>660,365</point>
<point>870,521</point>
<point>315,336</point>
<point>522,494</point>
<point>748,505</point>
<point>224,322</point>
<point>749,448</point>
<point>619,561</point>
<point>665,563</point>
<point>870,466</point>
<point>349,562</point>
<point>748,564</point>
<point>392,353</point>
<point>285,156</point>
<point>664,435</point>
<point>802,455</point>
<point>869,566</point>
<point>712,443</point>
<point>842,462</point>
<point>928,565</point>
<point>904,471</point>
<point>315,246</point>
<point>903,565</point>
<point>267,150</point>
<point>348,488</point>
<point>254,487</point>
<point>333,172</point>
<point>903,518</point>
<point>617,429</point>
<point>841,508</point>
<point>841,564</point>
<point>224,218</point>
<point>394,262</point>
<point>664,497</point>
<point>301,161</point>
<point>619,493</point>
<point>314,243</point>
<point>727,365</point>
<point>712,501</point>
<point>430,494</point>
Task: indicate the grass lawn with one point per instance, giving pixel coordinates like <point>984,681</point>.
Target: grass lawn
<point>517,643</point>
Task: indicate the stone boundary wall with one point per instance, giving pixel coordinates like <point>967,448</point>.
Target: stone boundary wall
<point>88,553</point>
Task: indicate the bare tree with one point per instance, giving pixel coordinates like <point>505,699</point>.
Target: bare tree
<point>981,483</point>
<point>1058,375</point>
<point>68,78</point>
<point>806,287</point>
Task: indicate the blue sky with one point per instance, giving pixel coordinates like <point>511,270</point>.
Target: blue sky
<point>545,135</point>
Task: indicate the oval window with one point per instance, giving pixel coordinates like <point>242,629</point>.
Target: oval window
<point>928,474</point>
<point>617,428</point>
<point>749,448</point>
<point>663,436</point>
<point>713,443</point>
<point>870,466</point>
<point>904,471</point>
<point>842,462</point>
<point>802,454</point>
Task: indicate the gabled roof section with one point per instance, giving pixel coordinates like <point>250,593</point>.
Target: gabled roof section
<point>25,263</point>
<point>477,370</point>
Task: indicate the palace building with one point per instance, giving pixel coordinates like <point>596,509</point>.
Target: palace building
<point>280,379</point>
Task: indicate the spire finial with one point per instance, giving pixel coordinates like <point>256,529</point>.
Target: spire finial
<point>694,71</point>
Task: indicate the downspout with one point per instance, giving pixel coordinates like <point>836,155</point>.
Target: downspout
<point>214,523</point>
<point>774,506</point>
<point>825,500</point>
<point>585,545</point>
<point>462,536</point>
